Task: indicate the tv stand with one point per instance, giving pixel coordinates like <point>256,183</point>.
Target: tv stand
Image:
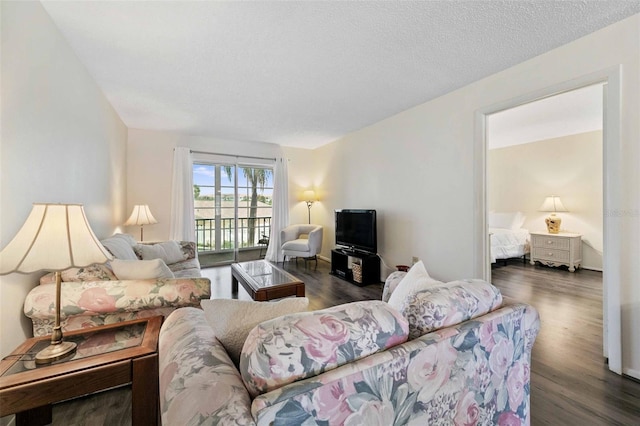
<point>370,266</point>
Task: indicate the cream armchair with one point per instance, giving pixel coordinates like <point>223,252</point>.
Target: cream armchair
<point>293,245</point>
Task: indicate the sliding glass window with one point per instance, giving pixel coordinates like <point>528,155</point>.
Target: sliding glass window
<point>233,206</point>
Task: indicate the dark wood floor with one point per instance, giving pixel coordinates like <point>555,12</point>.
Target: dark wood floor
<point>570,383</point>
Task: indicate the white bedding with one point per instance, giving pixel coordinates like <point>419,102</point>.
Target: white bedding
<point>508,243</point>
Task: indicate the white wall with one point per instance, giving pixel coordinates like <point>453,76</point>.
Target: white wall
<point>60,142</point>
<point>150,165</point>
<point>417,168</point>
<point>520,177</point>
<point>302,177</point>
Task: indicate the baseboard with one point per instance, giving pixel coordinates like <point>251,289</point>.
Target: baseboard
<point>326,259</point>
<point>590,268</point>
<point>633,374</point>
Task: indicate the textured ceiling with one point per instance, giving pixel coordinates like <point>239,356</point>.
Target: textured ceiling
<point>304,73</point>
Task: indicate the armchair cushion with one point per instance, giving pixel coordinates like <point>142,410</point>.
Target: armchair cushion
<point>301,244</point>
<point>302,345</point>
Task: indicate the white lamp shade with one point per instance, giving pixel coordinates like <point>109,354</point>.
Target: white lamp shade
<point>53,238</point>
<point>141,215</point>
<point>552,204</point>
<point>309,195</point>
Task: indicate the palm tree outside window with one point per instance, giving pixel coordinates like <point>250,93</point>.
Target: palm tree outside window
<point>232,203</point>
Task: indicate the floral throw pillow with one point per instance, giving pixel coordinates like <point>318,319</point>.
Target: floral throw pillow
<point>302,345</point>
<point>93,272</point>
<point>444,306</point>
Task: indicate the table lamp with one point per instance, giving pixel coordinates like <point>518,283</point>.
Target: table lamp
<point>309,197</point>
<point>141,215</point>
<point>553,204</point>
<point>54,237</point>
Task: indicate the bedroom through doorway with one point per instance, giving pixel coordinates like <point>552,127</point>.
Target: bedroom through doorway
<point>551,147</point>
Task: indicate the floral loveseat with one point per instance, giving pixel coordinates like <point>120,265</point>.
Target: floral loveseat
<point>95,296</point>
<point>356,364</point>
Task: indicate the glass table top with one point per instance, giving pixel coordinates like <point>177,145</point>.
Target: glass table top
<point>89,344</point>
<point>264,274</point>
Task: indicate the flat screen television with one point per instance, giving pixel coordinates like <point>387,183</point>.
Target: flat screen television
<point>356,230</point>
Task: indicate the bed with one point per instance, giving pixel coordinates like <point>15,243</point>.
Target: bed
<point>507,236</point>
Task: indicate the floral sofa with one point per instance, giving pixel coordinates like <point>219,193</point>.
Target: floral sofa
<point>95,296</point>
<point>356,364</point>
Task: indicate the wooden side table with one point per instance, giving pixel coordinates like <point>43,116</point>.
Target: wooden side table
<point>564,248</point>
<point>107,356</point>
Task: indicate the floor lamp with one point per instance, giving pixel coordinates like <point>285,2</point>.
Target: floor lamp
<point>309,197</point>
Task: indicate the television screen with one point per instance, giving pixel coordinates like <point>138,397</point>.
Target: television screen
<point>356,229</point>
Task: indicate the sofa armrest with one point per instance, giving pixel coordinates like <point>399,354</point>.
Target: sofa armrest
<point>198,382</point>
<point>479,367</point>
<point>106,297</point>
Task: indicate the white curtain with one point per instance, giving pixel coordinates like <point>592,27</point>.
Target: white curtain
<point>182,213</point>
<point>280,212</point>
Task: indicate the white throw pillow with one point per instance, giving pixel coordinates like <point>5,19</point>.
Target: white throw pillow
<point>416,279</point>
<point>232,319</point>
<point>169,251</point>
<point>140,269</point>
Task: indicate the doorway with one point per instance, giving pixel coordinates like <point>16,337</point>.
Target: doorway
<point>549,149</point>
<point>612,333</point>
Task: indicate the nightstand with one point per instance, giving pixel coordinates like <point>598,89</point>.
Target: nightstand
<point>564,248</point>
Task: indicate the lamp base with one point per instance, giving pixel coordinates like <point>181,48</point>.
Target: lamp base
<point>553,224</point>
<point>55,352</point>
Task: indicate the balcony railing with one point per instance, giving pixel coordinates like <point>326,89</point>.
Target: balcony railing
<point>211,238</point>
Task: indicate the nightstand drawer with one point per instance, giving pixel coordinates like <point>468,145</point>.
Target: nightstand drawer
<point>551,242</point>
<point>551,254</point>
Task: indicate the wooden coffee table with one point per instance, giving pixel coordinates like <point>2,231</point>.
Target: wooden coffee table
<point>107,356</point>
<point>265,281</point>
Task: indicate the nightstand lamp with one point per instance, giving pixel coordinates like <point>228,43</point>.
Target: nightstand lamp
<point>54,237</point>
<point>553,204</point>
<point>140,216</point>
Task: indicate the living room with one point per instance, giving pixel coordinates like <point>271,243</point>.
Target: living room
<point>62,141</point>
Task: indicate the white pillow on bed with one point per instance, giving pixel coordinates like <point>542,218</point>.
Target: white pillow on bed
<point>513,220</point>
